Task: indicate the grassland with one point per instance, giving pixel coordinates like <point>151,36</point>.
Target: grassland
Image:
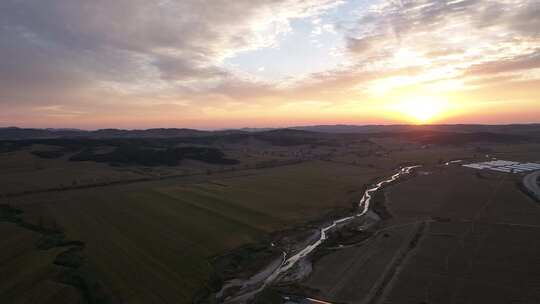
<point>160,235</point>
<point>28,275</point>
<point>22,171</point>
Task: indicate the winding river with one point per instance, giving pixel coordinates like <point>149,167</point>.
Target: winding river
<point>288,262</point>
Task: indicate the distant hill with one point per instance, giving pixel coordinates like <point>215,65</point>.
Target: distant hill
<point>253,129</point>
<point>14,133</point>
<point>460,128</point>
<point>283,135</point>
<point>458,138</point>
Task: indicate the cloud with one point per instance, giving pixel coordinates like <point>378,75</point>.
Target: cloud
<point>76,58</point>
<point>517,63</point>
<point>132,43</point>
<point>525,20</point>
<point>362,45</point>
<point>179,68</point>
<point>449,39</point>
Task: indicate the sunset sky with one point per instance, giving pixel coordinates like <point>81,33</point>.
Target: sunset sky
<point>267,63</point>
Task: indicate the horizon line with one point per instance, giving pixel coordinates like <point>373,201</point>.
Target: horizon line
<point>272,128</point>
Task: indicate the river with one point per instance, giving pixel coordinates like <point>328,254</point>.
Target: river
<point>288,262</point>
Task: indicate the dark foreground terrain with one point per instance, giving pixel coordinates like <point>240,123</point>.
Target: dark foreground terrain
<point>170,216</point>
<point>453,237</point>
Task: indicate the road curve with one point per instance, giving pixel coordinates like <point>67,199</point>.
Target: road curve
<point>531,183</point>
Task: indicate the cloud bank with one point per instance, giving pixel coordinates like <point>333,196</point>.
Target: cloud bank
<point>145,63</point>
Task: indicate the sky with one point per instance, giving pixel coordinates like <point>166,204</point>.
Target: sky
<point>213,64</point>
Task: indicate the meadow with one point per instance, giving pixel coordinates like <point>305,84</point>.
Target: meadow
<point>161,235</point>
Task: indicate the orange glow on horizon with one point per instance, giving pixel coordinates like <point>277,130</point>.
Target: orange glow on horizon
<point>422,109</point>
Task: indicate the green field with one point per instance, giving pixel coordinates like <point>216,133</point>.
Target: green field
<point>21,171</point>
<point>24,268</point>
<point>159,236</point>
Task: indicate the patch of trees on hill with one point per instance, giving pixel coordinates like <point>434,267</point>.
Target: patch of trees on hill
<point>127,151</point>
<point>49,154</point>
<point>133,155</point>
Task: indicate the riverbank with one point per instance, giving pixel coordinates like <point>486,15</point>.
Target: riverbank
<point>295,263</point>
<point>453,237</point>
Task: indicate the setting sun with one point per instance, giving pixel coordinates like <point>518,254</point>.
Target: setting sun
<point>422,109</point>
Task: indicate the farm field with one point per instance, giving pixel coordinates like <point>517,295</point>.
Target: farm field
<point>482,251</point>
<point>22,171</point>
<point>157,238</point>
<point>29,286</point>
<point>159,235</point>
<point>455,236</point>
